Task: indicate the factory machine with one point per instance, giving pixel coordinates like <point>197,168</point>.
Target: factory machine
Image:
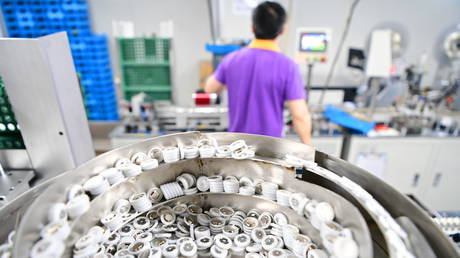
<point>145,118</point>
<point>411,139</point>
<point>219,194</point>
<point>422,122</point>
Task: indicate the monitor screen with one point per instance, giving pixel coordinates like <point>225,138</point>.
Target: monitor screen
<point>313,42</point>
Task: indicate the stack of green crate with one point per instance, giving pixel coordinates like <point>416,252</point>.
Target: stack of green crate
<point>145,67</point>
<point>10,136</point>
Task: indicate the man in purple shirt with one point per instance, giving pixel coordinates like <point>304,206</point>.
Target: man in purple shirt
<point>260,80</point>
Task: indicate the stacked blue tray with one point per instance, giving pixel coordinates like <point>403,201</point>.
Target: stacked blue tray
<point>92,62</point>
<point>35,18</point>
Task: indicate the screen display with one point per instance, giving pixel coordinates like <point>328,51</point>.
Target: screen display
<point>313,42</point>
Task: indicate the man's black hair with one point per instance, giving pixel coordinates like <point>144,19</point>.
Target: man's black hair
<point>268,19</point>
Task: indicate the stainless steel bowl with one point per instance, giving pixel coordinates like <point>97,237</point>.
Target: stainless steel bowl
<point>268,165</point>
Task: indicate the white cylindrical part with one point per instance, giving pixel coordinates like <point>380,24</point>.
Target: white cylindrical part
<point>74,190</point>
<point>121,206</point>
<point>96,185</point>
<point>77,206</point>
<point>325,212</point>
<point>45,248</point>
<point>140,202</point>
<point>231,186</point>
<point>113,175</point>
<point>236,145</point>
<point>207,151</point>
<point>289,233</point>
<point>155,153</point>
<point>191,152</point>
<point>138,157</point>
<point>202,183</point>
<point>112,220</point>
<point>215,184</point>
<point>58,231</point>
<point>171,154</point>
<point>57,212</point>
<point>132,170</point>
<point>155,195</point>
<point>148,164</point>
<point>317,253</point>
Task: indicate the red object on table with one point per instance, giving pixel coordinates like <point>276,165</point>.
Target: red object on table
<point>204,99</point>
<point>381,127</point>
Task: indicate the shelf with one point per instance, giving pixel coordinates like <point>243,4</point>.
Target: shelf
<point>152,88</point>
<point>140,38</point>
<point>146,63</point>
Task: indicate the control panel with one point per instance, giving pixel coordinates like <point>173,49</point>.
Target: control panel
<point>312,45</point>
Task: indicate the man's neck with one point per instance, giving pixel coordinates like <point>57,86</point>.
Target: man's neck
<point>266,44</point>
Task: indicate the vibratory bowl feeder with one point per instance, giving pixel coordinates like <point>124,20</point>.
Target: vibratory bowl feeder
<point>218,195</point>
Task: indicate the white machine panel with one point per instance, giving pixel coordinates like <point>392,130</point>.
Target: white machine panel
<point>331,145</point>
<point>423,166</point>
<point>401,162</point>
<point>442,189</point>
<point>333,97</point>
<point>42,84</point>
<point>379,60</point>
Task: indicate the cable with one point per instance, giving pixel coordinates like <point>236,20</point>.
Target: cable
<point>214,23</point>
<point>339,50</point>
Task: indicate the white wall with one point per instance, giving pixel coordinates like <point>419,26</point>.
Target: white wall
<point>191,32</point>
<point>235,17</point>
<point>425,21</point>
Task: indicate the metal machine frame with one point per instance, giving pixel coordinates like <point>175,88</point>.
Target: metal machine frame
<point>42,85</point>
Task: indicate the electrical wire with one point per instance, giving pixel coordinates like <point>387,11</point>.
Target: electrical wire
<point>339,50</point>
<point>213,7</point>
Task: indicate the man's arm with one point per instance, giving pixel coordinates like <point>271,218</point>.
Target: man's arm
<point>301,119</point>
<point>213,85</point>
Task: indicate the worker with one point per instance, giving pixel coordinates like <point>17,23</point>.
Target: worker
<point>260,80</point>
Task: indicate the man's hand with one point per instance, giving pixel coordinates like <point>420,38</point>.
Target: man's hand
<point>301,119</point>
<point>213,85</point>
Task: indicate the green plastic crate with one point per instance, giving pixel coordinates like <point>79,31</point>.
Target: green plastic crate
<point>155,95</point>
<point>146,75</point>
<point>6,111</point>
<point>144,49</point>
<point>145,67</point>
<point>10,135</point>
<point>11,142</point>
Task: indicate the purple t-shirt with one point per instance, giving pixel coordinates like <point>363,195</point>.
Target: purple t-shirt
<point>259,81</point>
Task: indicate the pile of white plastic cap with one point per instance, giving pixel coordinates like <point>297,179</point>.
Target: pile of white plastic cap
<point>134,228</point>
<point>138,227</point>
